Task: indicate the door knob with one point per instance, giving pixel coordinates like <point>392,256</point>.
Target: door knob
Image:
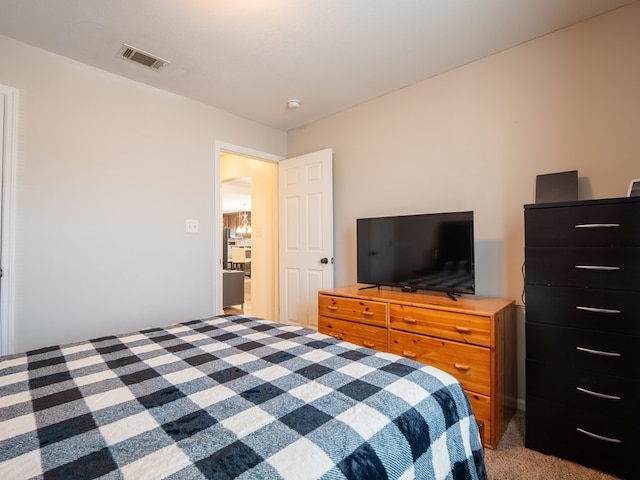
<point>324,260</point>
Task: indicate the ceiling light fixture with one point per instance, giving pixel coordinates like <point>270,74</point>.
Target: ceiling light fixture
<point>244,227</point>
<point>294,104</point>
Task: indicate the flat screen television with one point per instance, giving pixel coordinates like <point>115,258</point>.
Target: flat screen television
<point>432,251</point>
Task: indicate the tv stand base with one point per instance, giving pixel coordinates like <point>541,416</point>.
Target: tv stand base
<point>453,296</point>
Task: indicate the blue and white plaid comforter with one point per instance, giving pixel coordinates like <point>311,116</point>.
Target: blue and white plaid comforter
<point>231,397</point>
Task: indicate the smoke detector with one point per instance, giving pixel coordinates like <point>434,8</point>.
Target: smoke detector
<point>141,57</point>
<point>294,104</point>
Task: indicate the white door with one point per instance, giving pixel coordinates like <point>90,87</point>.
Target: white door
<point>8,145</point>
<point>306,235</point>
<point>1,224</point>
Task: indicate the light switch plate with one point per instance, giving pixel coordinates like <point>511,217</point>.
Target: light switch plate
<point>192,225</point>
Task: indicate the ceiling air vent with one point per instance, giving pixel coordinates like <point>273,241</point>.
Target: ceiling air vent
<point>143,58</point>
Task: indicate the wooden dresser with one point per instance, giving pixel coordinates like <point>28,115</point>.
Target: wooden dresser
<point>583,331</point>
<point>472,338</point>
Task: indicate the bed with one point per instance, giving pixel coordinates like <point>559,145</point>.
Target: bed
<point>231,397</point>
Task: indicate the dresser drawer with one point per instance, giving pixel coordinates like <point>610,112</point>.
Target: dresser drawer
<point>603,267</point>
<point>481,406</point>
<point>616,311</point>
<point>578,388</point>
<point>470,364</point>
<point>570,348</point>
<point>585,225</point>
<point>473,329</point>
<point>357,333</point>
<point>364,311</point>
<point>588,437</point>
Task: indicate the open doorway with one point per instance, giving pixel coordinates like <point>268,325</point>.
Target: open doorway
<point>251,180</point>
<point>275,224</point>
<point>235,196</point>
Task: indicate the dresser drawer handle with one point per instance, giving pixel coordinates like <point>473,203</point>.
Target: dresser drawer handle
<point>461,367</point>
<point>597,310</point>
<point>463,329</point>
<point>408,354</point>
<point>599,352</point>
<point>368,344</point>
<point>332,307</point>
<point>597,225</point>
<point>605,268</point>
<point>598,437</point>
<point>368,313</point>
<point>599,395</point>
<point>410,320</point>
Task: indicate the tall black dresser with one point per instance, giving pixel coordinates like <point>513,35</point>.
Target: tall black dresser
<point>582,264</point>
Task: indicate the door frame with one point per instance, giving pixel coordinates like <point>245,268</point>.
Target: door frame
<point>220,147</point>
<point>8,162</point>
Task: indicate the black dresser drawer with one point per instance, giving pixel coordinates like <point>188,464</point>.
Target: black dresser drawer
<point>615,311</point>
<point>574,348</point>
<point>602,267</point>
<point>590,438</point>
<point>578,388</point>
<point>605,224</point>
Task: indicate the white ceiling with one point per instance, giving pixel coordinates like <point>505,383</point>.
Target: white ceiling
<point>236,195</point>
<point>249,57</point>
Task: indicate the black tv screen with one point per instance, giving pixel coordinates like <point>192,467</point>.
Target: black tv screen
<point>432,251</point>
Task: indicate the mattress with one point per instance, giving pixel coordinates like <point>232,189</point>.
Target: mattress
<point>231,397</point>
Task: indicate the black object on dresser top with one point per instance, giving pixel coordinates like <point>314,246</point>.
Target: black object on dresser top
<point>582,286</point>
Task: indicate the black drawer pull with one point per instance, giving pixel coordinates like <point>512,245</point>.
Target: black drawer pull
<point>598,437</point>
<point>597,310</point>
<point>597,225</point>
<point>599,352</point>
<point>599,395</point>
<point>597,267</point>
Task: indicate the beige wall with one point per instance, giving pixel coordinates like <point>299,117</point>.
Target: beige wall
<point>108,170</point>
<point>264,226</point>
<point>475,138</point>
